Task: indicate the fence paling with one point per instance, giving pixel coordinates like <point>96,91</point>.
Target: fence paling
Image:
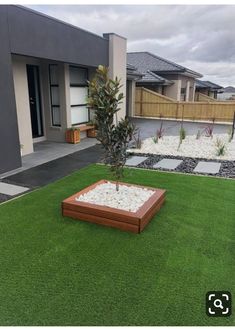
<point>152,104</point>
<point>200,97</point>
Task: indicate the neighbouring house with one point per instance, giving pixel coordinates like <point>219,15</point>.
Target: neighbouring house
<point>44,67</point>
<point>207,88</point>
<point>164,76</point>
<point>228,94</point>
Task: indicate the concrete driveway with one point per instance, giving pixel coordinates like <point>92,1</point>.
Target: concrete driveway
<point>148,127</point>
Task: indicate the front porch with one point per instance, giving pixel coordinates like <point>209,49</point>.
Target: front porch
<point>47,151</point>
<point>50,98</point>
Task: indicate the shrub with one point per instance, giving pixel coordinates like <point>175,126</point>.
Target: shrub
<point>92,123</point>
<point>220,147</point>
<point>198,134</point>
<point>155,139</point>
<point>182,133</point>
<point>73,128</point>
<point>180,142</point>
<point>137,140</point>
<point>209,129</point>
<point>160,131</point>
<point>233,126</point>
<point>230,134</point>
<point>114,135</point>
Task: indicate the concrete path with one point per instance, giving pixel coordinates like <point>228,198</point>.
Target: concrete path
<point>135,160</point>
<point>184,165</point>
<point>207,167</point>
<point>43,174</point>
<point>46,151</point>
<point>168,164</point>
<point>11,189</point>
<point>51,171</point>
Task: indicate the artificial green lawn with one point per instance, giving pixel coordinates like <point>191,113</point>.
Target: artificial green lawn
<point>58,271</point>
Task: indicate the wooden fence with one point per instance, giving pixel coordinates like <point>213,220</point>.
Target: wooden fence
<point>152,104</point>
<point>199,97</point>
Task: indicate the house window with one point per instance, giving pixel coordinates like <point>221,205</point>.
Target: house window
<point>78,95</point>
<point>54,94</point>
<point>183,94</point>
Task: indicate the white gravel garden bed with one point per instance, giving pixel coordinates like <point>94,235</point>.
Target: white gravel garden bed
<point>128,198</point>
<point>204,147</point>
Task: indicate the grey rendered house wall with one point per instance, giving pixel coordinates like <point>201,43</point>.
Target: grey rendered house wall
<point>9,139</point>
<point>25,32</point>
<point>184,79</point>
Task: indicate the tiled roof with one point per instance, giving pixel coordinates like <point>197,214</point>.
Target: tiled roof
<point>130,66</point>
<point>151,77</point>
<point>207,84</point>
<point>132,71</point>
<point>145,61</point>
<point>229,89</point>
<point>213,85</point>
<point>201,84</point>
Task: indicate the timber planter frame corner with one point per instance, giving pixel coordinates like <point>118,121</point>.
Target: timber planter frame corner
<point>128,221</point>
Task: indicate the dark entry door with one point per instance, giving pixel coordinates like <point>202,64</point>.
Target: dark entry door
<point>35,100</point>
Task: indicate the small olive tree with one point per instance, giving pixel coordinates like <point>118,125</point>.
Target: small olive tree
<point>104,99</point>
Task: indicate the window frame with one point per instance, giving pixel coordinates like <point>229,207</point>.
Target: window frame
<point>51,104</point>
<point>80,85</point>
<point>183,94</point>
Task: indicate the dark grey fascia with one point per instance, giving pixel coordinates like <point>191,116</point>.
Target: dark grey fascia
<point>183,71</point>
<point>37,35</point>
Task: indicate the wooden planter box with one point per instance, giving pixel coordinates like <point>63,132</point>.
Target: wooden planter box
<point>72,136</point>
<point>92,133</point>
<point>128,221</point>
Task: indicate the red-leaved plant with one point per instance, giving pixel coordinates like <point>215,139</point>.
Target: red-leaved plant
<point>209,129</point>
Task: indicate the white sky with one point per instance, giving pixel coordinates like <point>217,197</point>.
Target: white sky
<point>199,37</point>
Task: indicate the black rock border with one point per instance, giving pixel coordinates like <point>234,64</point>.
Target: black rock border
<point>227,169</point>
